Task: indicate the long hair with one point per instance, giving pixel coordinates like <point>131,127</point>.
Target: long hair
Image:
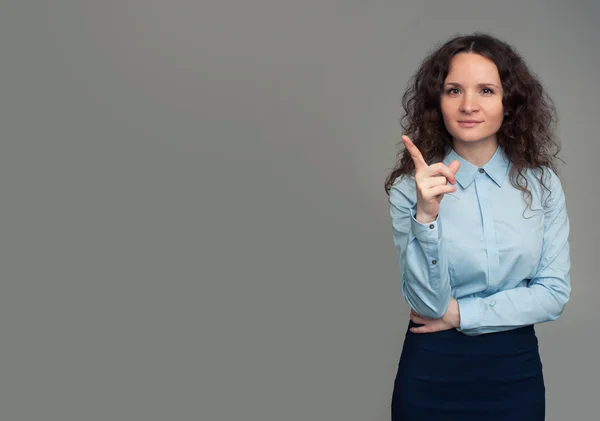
<point>527,134</point>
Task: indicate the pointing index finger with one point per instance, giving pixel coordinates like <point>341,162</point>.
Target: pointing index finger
<point>415,153</point>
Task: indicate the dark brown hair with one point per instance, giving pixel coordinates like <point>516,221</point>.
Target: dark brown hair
<point>526,134</point>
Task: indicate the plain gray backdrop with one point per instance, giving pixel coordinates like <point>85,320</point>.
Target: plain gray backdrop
<point>193,219</point>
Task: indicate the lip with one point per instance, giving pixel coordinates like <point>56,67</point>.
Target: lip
<point>468,123</point>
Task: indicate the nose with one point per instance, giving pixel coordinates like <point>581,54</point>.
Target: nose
<point>469,104</point>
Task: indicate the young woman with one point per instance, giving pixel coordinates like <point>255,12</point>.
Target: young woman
<point>481,229</point>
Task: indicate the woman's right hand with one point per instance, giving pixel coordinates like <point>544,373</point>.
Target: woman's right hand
<point>430,182</point>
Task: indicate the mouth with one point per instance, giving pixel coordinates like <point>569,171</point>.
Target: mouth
<point>468,123</point>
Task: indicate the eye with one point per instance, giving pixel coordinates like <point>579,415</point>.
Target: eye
<point>489,91</point>
<point>452,91</point>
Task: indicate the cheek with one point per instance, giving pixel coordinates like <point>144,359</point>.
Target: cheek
<point>497,116</point>
<point>496,110</point>
<point>446,110</point>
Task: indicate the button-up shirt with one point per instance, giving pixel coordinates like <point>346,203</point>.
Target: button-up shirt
<point>507,264</point>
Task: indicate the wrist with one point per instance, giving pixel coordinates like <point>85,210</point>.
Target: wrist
<point>424,218</point>
<point>453,313</point>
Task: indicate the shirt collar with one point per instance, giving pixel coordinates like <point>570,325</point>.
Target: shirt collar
<point>496,168</point>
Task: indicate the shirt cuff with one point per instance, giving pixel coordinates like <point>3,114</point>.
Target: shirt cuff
<point>470,314</point>
<point>430,232</point>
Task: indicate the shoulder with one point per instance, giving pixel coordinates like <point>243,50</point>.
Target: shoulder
<point>547,186</point>
<point>403,193</point>
<point>547,175</point>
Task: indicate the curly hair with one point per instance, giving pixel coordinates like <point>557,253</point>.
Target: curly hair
<point>527,133</point>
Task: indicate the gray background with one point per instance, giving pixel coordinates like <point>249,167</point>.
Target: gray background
<point>193,219</point>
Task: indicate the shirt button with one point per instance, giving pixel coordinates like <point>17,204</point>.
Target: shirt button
<point>481,170</point>
<point>433,262</point>
<point>431,226</point>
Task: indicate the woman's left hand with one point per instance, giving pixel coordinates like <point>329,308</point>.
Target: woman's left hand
<point>450,320</point>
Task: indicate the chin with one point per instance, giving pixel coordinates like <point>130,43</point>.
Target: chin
<point>471,137</point>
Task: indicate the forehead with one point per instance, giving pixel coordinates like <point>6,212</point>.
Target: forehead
<point>472,67</point>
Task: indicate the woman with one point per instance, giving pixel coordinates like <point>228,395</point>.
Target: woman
<point>482,266</point>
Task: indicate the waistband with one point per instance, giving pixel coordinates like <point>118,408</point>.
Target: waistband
<point>517,341</point>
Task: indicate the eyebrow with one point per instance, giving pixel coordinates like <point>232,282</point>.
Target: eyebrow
<point>478,85</point>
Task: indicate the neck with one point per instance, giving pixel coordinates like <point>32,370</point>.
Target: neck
<point>477,153</point>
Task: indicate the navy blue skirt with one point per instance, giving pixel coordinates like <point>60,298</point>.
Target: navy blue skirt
<point>451,376</point>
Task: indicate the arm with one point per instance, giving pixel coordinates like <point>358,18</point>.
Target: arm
<point>547,293</point>
<point>423,263</point>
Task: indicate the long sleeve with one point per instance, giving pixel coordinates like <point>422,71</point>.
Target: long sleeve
<point>422,258</point>
<point>546,294</point>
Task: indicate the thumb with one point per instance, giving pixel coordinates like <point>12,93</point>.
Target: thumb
<point>454,166</point>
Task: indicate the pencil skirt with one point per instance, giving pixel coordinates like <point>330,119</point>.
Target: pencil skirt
<point>452,376</point>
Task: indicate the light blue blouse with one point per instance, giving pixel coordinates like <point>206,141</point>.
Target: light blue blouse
<point>507,265</point>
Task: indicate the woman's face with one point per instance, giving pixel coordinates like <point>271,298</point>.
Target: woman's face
<point>471,100</point>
